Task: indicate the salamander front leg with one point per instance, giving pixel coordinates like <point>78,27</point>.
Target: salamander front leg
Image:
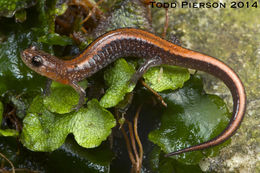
<point>82,95</point>
<point>156,61</point>
<point>47,89</point>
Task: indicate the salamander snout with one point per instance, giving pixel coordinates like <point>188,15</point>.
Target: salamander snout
<point>43,63</point>
<point>31,57</point>
<point>35,59</point>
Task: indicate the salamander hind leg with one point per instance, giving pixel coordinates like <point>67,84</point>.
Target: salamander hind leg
<point>82,95</point>
<point>155,61</point>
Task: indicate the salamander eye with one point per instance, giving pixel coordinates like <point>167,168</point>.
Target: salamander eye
<point>37,61</point>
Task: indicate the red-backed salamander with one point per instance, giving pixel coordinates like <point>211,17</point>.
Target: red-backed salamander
<point>156,51</point>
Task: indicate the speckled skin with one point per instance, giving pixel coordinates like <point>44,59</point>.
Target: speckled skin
<point>156,51</point>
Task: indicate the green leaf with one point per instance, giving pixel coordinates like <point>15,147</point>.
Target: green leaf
<point>162,164</point>
<point>55,39</point>
<point>20,102</point>
<point>60,8</point>
<point>8,132</point>
<point>45,131</point>
<point>8,8</point>
<point>166,77</point>
<point>117,79</point>
<point>192,117</point>
<point>20,16</point>
<point>96,159</point>
<point>62,99</point>
<point>14,75</point>
<point>101,155</point>
<point>1,112</point>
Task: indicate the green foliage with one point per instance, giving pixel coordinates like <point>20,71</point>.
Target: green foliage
<point>162,164</point>
<point>117,79</point>
<point>1,112</point>
<point>59,102</point>
<point>56,39</point>
<point>45,131</point>
<point>9,132</point>
<point>191,117</point>
<point>20,16</point>
<point>166,77</point>
<point>9,7</point>
<point>127,13</point>
<point>69,158</point>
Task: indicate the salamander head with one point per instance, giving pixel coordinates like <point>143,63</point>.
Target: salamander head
<point>42,63</point>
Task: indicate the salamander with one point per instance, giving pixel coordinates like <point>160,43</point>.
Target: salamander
<point>155,51</point>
